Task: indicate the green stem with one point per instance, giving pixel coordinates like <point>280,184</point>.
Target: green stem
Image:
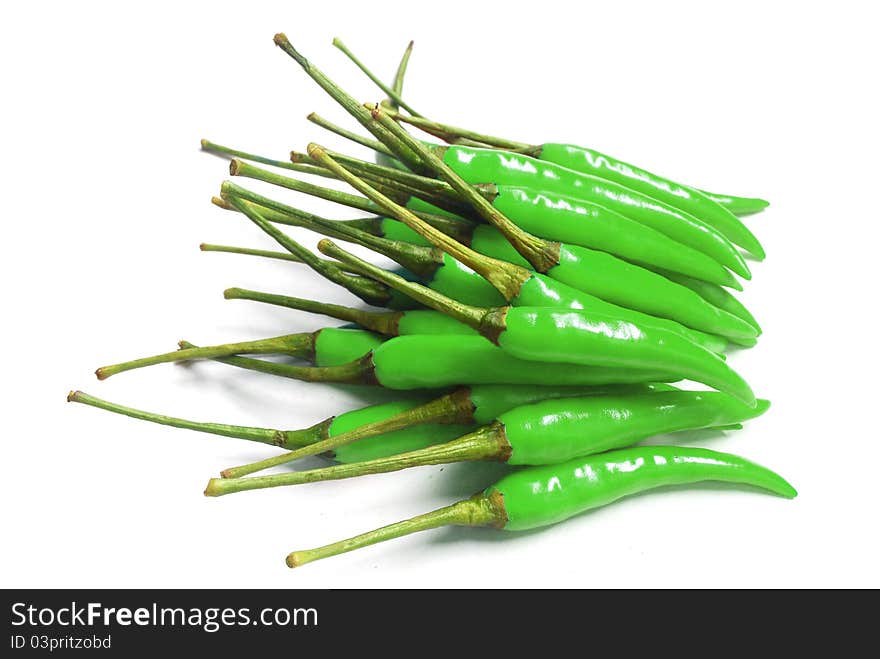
<point>480,510</point>
<point>296,345</point>
<point>418,259</point>
<point>397,85</point>
<point>359,371</point>
<point>353,107</point>
<point>430,188</point>
<point>349,135</point>
<point>381,322</point>
<point>542,254</point>
<point>391,93</point>
<point>368,291</point>
<point>456,135</point>
<point>508,278</point>
<point>487,321</point>
<point>455,407</point>
<point>282,438</point>
<point>285,164</point>
<point>247,251</point>
<point>239,168</point>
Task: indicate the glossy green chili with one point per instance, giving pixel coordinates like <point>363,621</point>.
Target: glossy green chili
<point>682,197</point>
<point>544,432</point>
<point>539,496</point>
<point>433,362</point>
<point>410,438</point>
<point>329,346</point>
<point>466,405</point>
<point>574,337</point>
<point>458,277</point>
<point>477,165</point>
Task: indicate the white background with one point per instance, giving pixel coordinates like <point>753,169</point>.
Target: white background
<point>106,198</point>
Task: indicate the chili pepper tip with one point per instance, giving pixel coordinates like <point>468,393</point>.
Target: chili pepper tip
<point>73,396</point>
<point>234,166</point>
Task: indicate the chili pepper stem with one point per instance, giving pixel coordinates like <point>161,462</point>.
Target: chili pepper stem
<point>346,101</point>
<point>542,254</point>
<point>487,321</point>
<point>359,371</point>
<point>230,249</point>
<point>420,260</point>
<point>507,278</point>
<point>296,345</point>
<point>368,291</point>
<point>218,149</point>
<point>282,438</point>
<point>349,135</point>
<point>453,133</point>
<point>397,83</point>
<point>455,407</point>
<point>487,443</point>
<point>385,323</point>
<point>480,510</point>
<point>393,95</point>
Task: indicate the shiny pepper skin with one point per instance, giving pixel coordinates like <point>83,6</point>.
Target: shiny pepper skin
<point>548,335</point>
<point>540,496</point>
<point>687,199</point>
<point>489,166</point>
<point>552,431</point>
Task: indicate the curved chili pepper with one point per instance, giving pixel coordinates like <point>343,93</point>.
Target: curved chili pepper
<point>682,197</point>
<point>574,337</point>
<point>539,496</point>
<point>541,433</point>
<point>329,346</point>
<point>589,224</point>
<point>714,295</point>
<point>477,166</point>
<point>434,362</point>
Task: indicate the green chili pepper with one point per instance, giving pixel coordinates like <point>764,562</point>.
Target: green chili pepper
<point>544,432</point>
<point>434,362</point>
<point>539,496</point>
<point>714,295</point>
<point>458,277</point>
<point>476,165</point>
<point>574,337</point>
<point>610,279</point>
<point>475,404</point>
<point>330,346</point>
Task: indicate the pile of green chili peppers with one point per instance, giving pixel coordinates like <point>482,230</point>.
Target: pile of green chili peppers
<point>548,304</point>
